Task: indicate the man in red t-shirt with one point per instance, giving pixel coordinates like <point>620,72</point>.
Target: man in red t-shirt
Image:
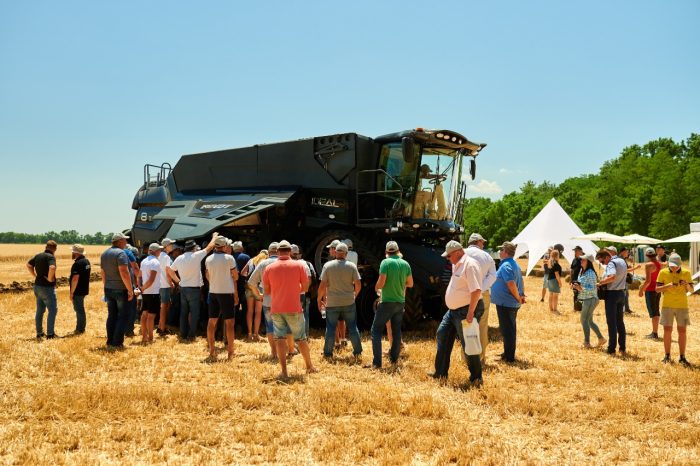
<point>284,280</point>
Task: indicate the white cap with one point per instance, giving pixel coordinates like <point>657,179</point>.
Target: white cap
<point>392,246</point>
<point>333,244</point>
<point>452,246</point>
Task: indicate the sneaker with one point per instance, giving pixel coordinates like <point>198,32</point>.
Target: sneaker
<point>51,337</point>
<point>39,336</point>
<point>602,341</point>
<point>586,346</point>
<point>435,376</point>
<point>684,361</point>
<point>652,336</point>
<point>667,359</point>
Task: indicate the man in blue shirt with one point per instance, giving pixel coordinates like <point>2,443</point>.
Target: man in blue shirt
<point>119,291</point>
<point>614,280</point>
<point>508,294</point>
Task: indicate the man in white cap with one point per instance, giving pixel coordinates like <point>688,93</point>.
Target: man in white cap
<point>255,285</point>
<point>331,249</point>
<point>79,285</point>
<point>118,289</point>
<point>463,299</point>
<point>352,255</point>
<point>673,283</point>
<point>223,295</point>
<point>394,277</point>
<point>150,291</point>
<point>186,272</point>
<point>283,280</point>
<point>487,266</point>
<point>166,284</point>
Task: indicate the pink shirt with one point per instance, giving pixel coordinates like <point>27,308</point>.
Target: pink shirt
<point>285,278</point>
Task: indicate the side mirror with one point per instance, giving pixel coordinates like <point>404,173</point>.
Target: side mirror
<point>408,146</point>
<point>472,168</point>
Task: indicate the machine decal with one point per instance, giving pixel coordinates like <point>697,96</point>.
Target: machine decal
<point>328,202</point>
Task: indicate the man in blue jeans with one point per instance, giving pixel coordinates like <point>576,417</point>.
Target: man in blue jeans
<point>508,294</point>
<point>394,277</point>
<point>79,286</point>
<point>43,268</point>
<point>463,300</point>
<point>114,268</point>
<point>340,285</point>
<point>614,281</point>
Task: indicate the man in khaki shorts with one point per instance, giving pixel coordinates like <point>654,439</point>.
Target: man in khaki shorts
<point>673,282</point>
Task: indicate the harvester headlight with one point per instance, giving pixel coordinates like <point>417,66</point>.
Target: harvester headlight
<point>438,135</point>
<point>454,138</point>
<point>415,225</point>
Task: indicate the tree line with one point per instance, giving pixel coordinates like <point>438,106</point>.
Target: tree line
<point>652,190</point>
<point>61,237</point>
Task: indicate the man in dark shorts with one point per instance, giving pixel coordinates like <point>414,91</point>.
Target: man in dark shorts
<point>150,291</point>
<point>43,268</point>
<point>79,286</point>
<point>222,275</point>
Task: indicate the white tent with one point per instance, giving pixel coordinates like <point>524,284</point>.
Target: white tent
<point>550,226</point>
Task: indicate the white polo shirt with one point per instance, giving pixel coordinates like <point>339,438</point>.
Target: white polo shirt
<point>148,265</point>
<point>466,277</point>
<point>165,261</point>
<point>189,267</point>
<point>487,266</point>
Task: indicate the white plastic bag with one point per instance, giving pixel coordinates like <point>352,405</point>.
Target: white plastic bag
<point>472,343</point>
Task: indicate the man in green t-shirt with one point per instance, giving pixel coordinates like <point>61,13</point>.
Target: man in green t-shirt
<point>673,282</point>
<point>394,277</point>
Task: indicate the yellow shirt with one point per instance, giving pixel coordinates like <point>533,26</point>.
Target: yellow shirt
<point>674,297</point>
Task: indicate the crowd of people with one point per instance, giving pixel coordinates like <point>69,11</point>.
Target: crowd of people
<point>273,288</point>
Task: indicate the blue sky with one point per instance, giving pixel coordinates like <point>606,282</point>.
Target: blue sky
<point>90,91</point>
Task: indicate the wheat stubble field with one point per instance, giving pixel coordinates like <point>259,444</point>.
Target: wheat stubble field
<point>70,401</point>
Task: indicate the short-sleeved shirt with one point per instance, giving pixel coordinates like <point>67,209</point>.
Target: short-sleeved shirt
<point>675,297</point>
<point>219,266</point>
<point>110,261</point>
<point>466,278</point>
<point>165,261</point>
<point>148,265</point>
<point>256,278</point>
<point>617,267</point>
<point>575,268</point>
<point>241,260</point>
<point>487,266</point>
<point>508,271</point>
<point>397,271</point>
<point>189,268</point>
<point>41,263</point>
<point>285,278</point>
<point>340,276</point>
<point>81,268</point>
<point>556,268</point>
<point>352,257</point>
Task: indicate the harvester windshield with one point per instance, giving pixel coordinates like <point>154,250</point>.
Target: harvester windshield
<point>437,190</point>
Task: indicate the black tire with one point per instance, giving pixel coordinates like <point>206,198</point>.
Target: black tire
<point>413,308</point>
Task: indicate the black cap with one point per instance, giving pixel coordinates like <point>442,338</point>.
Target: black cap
<point>623,249</point>
<point>190,244</point>
<point>660,246</point>
<point>578,248</point>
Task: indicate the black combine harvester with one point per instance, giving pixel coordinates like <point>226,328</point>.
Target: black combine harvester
<point>405,186</point>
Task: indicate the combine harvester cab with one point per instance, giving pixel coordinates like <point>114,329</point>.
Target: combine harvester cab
<point>405,186</point>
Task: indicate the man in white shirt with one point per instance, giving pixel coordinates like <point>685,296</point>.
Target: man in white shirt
<point>487,266</point>
<point>165,286</point>
<point>463,299</point>
<point>186,271</point>
<point>150,291</point>
<point>222,274</point>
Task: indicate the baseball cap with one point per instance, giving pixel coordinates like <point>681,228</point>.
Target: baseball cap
<point>453,246</point>
<point>154,247</point>
<point>295,249</point>
<point>166,242</point>
<point>119,236</point>
<point>650,252</point>
<point>392,246</point>
<point>284,244</point>
<point>220,241</point>
<point>341,247</point>
<point>508,247</point>
<point>474,237</point>
<point>333,244</point>
<point>660,246</point>
<point>78,249</point>
<point>588,257</point>
<point>347,241</point>
<point>578,248</point>
<point>273,246</point>
<point>237,246</point>
<point>612,249</point>
<point>675,260</point>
